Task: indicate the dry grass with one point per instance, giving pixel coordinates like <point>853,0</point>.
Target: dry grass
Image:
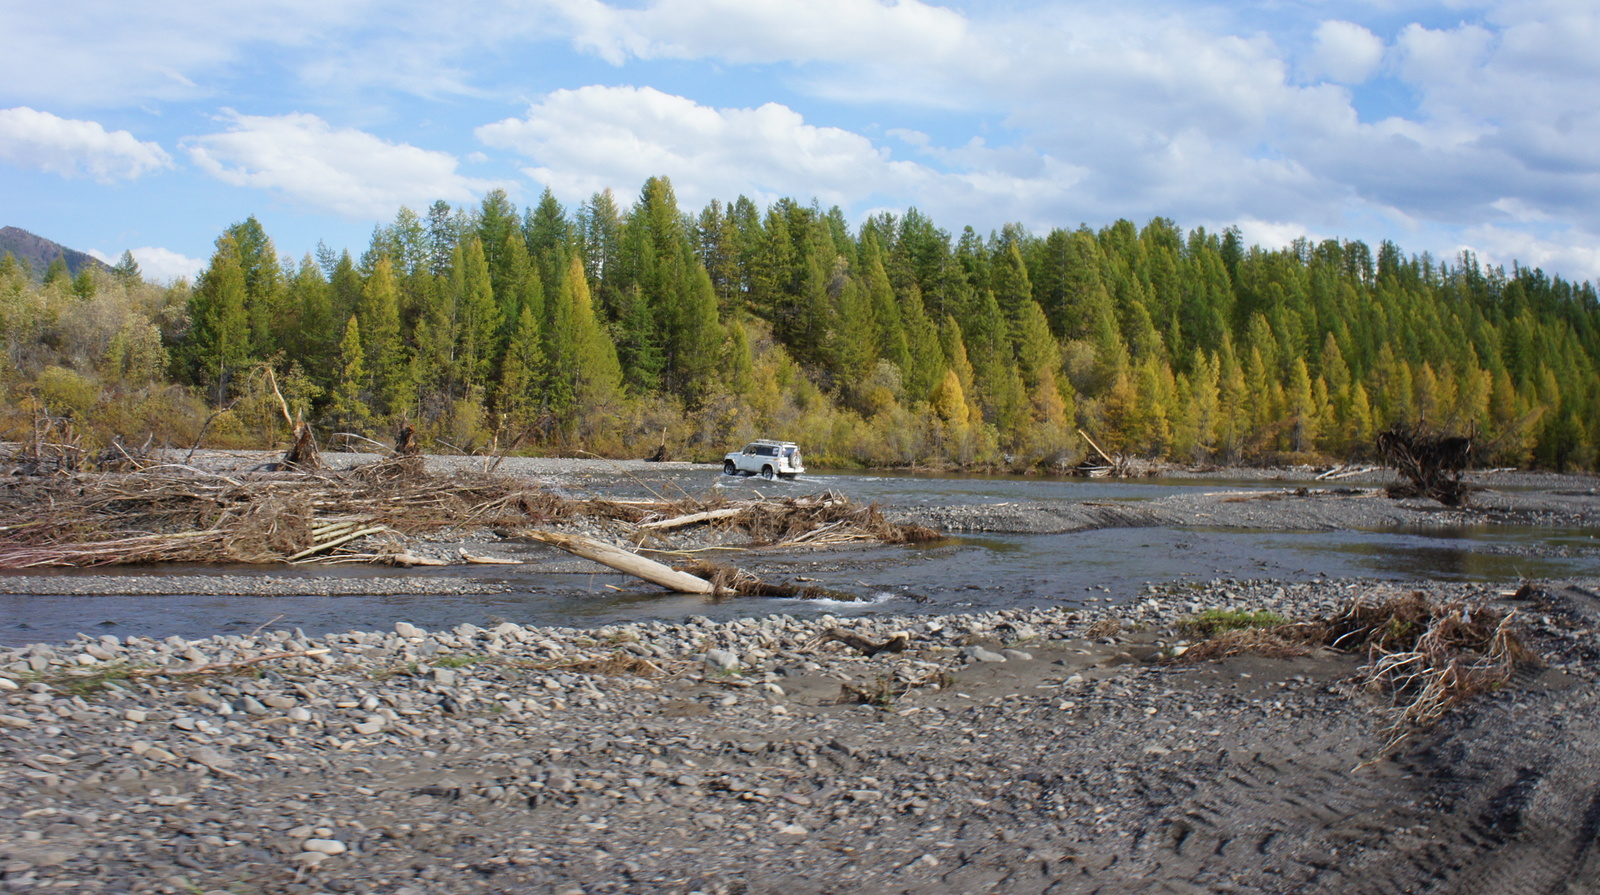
<point>1109,626</point>
<point>614,665</point>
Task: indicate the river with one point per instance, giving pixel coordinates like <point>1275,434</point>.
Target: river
<point>978,571</point>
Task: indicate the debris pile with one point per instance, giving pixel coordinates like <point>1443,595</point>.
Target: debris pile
<point>295,513</point>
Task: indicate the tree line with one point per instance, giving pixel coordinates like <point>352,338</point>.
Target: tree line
<point>892,342</point>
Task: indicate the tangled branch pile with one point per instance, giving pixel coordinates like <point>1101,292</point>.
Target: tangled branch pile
<point>818,521</point>
<point>1432,463</point>
<point>1426,657</point>
<point>176,513</point>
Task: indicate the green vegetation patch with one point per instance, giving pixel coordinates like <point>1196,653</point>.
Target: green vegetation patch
<point>1217,621</point>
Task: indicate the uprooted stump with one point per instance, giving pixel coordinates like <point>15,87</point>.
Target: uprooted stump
<point>1432,463</point>
<point>302,454</point>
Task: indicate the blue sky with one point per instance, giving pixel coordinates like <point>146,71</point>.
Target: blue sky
<point>151,126</point>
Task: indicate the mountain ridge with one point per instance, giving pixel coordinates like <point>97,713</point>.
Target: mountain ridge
<point>38,252</point>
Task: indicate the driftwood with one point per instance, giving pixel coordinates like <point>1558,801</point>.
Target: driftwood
<point>692,518</point>
<point>479,559</point>
<point>225,667</point>
<point>1344,472</point>
<point>1426,657</point>
<point>698,577</point>
<point>1119,466</point>
<point>406,559</point>
<point>617,558</point>
<point>172,513</point>
<point>729,580</point>
<point>896,642</point>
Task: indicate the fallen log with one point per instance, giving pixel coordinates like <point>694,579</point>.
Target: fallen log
<point>480,559</point>
<point>342,539</point>
<point>692,518</point>
<point>407,559</point>
<point>617,558</point>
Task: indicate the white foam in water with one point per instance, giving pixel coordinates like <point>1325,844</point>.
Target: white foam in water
<point>881,596</point>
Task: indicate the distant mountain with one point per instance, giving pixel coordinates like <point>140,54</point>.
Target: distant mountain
<point>38,252</point>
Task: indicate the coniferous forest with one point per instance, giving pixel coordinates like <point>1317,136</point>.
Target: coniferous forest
<point>894,343</point>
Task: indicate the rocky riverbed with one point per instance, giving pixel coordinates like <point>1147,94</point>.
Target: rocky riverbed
<point>1019,751</point>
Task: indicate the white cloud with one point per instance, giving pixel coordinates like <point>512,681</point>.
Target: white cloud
<point>158,265</point>
<point>582,141</point>
<point>1573,253</point>
<point>1344,52</point>
<point>762,31</point>
<point>1201,111</point>
<point>1271,234</point>
<point>348,172</point>
<point>73,148</point>
<point>116,51</point>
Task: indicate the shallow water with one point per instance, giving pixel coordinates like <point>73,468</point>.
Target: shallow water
<point>964,573</point>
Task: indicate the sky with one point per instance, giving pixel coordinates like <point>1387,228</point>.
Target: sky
<point>1463,125</point>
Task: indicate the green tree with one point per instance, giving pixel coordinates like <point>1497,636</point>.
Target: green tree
<point>595,374</point>
<point>348,408</point>
<point>126,270</point>
<point>217,347</point>
<point>522,372</point>
<point>388,358</point>
<point>477,324</point>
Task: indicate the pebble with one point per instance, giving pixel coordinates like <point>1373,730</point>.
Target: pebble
<point>324,846</point>
<point>507,775</point>
<point>722,661</point>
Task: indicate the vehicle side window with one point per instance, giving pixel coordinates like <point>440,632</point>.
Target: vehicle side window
<point>749,448</point>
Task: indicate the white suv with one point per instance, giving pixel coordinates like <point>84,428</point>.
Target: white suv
<point>766,459</point>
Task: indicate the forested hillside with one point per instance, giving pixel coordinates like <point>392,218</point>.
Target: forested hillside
<point>892,343</point>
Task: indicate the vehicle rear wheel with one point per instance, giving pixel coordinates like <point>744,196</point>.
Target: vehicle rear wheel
<point>728,467</point>
<point>766,472</point>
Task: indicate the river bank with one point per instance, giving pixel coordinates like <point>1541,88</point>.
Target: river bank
<point>1017,751</point>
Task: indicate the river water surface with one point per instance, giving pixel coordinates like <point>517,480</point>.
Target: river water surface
<point>967,572</point>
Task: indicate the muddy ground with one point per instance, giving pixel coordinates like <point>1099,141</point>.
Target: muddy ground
<point>1048,750</point>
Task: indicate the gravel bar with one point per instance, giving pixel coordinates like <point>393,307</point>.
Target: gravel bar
<point>1017,751</point>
